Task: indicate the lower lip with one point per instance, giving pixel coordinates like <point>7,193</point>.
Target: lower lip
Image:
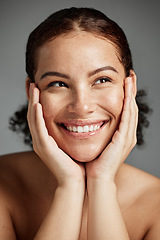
<point>83,135</point>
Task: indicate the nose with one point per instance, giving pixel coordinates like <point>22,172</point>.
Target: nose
<point>82,103</point>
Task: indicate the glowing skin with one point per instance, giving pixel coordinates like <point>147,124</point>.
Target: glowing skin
<point>81,82</point>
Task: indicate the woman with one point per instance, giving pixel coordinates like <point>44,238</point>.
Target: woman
<point>82,116</point>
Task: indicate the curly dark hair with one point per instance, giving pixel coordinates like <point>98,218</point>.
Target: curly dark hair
<point>66,21</point>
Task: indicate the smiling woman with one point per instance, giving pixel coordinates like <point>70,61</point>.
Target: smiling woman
<point>74,95</point>
<point>82,115</point>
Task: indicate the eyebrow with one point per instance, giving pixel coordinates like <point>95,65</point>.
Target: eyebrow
<point>105,68</point>
<point>58,74</point>
<point>53,74</point>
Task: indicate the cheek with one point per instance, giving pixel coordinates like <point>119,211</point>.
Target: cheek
<point>113,100</point>
<point>49,104</point>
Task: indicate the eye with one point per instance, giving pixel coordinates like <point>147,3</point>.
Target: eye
<point>57,84</point>
<point>102,80</point>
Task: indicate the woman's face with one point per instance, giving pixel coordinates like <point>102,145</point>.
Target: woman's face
<point>81,82</point>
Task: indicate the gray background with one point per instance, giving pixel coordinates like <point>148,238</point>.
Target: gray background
<point>140,21</point>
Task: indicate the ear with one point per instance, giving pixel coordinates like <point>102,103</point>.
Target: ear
<point>134,82</point>
<point>28,81</point>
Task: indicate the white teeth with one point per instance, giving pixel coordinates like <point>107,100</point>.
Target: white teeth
<point>69,128</point>
<point>74,129</point>
<point>81,129</point>
<point>86,129</point>
<point>91,128</point>
<point>95,127</point>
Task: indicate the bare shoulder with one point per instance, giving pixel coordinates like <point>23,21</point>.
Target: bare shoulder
<point>144,186</point>
<point>142,191</point>
<point>136,173</point>
<point>22,169</point>
<point>16,166</point>
<point>149,202</point>
<point>24,178</point>
<point>11,192</point>
<point>12,169</point>
<point>15,169</point>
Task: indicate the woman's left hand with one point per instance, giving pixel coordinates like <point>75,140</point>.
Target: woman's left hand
<point>123,141</point>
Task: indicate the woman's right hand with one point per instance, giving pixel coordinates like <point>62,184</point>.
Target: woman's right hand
<point>65,170</point>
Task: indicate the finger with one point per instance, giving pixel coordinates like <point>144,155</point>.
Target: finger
<point>29,113</point>
<point>133,122</point>
<point>126,112</point>
<point>128,87</point>
<point>40,124</point>
<point>33,100</point>
<point>131,137</point>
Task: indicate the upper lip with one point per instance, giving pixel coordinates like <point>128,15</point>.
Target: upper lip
<point>83,122</point>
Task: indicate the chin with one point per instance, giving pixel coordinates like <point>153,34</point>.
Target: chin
<point>84,159</point>
<point>84,151</point>
<point>84,156</point>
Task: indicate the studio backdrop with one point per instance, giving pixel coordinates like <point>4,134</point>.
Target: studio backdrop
<point>139,20</point>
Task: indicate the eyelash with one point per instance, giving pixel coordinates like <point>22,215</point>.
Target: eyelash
<point>62,84</point>
<point>103,79</point>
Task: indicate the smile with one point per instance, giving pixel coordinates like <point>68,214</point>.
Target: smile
<point>82,129</point>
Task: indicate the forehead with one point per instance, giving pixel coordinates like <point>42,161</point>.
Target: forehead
<point>81,49</point>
